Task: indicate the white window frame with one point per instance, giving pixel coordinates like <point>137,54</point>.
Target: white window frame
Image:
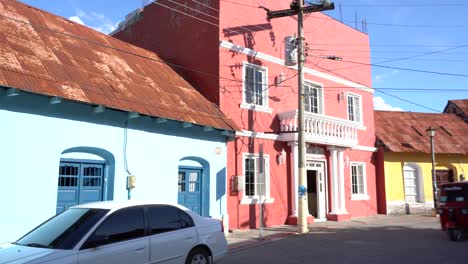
<point>264,107</point>
<point>419,184</point>
<point>349,94</point>
<point>359,196</point>
<point>320,95</point>
<point>255,199</point>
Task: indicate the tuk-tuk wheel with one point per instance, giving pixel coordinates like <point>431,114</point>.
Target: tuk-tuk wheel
<point>454,234</point>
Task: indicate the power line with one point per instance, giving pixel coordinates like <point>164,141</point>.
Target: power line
<point>375,65</point>
<point>396,25</point>
<point>397,97</point>
<point>394,68</point>
<point>406,5</point>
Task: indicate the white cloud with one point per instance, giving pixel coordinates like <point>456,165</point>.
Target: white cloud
<point>95,20</point>
<point>380,104</point>
<point>379,78</point>
<point>76,19</point>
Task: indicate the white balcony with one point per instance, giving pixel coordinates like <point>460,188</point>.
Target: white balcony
<point>319,129</point>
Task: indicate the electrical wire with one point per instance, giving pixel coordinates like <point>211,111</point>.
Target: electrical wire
<point>125,148</point>
<point>155,59</point>
<point>395,68</point>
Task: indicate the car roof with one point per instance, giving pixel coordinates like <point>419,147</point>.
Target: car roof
<point>115,205</point>
<point>460,183</point>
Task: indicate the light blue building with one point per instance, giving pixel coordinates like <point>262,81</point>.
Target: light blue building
<point>72,135</point>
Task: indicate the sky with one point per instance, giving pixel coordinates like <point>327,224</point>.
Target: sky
<point>418,35</point>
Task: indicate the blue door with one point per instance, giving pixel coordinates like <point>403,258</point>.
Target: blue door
<point>190,189</point>
<point>78,183</point>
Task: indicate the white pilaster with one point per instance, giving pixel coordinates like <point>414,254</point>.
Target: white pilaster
<point>294,176</point>
<point>335,181</point>
<point>341,187</point>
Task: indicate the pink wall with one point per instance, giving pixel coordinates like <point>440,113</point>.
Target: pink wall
<point>217,73</point>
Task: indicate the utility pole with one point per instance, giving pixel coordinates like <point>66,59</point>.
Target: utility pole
<point>297,8</point>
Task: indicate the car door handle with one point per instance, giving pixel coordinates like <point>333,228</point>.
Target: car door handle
<point>188,237</point>
<point>139,249</point>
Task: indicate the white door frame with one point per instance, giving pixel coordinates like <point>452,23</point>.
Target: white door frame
<point>322,197</point>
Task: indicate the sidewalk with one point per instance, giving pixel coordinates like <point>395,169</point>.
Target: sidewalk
<point>251,237</point>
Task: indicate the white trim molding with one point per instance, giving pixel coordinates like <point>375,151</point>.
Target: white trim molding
<point>263,56</point>
<point>364,148</point>
<point>246,133</point>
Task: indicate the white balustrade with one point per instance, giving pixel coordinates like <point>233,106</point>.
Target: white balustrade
<point>321,128</point>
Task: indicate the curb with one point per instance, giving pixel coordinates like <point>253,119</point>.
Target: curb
<point>256,242</point>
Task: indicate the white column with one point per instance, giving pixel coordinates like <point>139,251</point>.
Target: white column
<point>335,181</point>
<point>294,176</point>
<point>341,187</point>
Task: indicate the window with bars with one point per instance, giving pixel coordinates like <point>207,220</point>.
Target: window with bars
<point>358,180</point>
<point>255,85</point>
<point>354,108</point>
<point>255,182</point>
<point>313,99</point>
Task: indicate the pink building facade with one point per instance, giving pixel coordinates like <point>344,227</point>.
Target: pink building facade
<point>231,53</point>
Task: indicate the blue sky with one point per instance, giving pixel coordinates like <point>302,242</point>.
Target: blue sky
<point>396,28</point>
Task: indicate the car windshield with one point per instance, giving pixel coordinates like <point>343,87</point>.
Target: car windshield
<point>454,194</point>
<point>63,231</point>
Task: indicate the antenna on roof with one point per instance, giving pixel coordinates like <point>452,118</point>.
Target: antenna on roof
<point>341,12</point>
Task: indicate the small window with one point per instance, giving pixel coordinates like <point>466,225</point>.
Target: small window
<point>168,218</point>
<point>255,85</point>
<point>122,225</point>
<point>354,108</point>
<point>358,180</point>
<point>313,99</point>
<point>255,182</point>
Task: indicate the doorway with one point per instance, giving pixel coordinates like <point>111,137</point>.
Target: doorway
<point>316,190</point>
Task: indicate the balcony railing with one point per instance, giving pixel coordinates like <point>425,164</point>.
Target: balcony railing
<point>320,129</point>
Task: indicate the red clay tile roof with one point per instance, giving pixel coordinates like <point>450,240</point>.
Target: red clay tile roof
<point>462,104</point>
<point>405,132</point>
<point>46,54</point>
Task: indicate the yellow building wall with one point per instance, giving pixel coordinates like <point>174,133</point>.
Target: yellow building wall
<point>394,162</point>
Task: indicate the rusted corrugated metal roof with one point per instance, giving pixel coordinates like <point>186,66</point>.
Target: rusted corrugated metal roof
<point>462,104</point>
<point>47,54</point>
<point>406,132</point>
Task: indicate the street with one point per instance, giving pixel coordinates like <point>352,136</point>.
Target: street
<point>416,239</point>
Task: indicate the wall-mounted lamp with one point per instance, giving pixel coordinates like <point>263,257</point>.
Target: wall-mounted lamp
<point>341,96</point>
<point>281,157</point>
<point>279,79</point>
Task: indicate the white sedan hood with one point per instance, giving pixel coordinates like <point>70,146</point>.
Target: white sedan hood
<point>14,254</point>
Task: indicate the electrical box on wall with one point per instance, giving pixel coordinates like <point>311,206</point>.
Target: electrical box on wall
<point>131,182</point>
<point>290,51</point>
<point>238,183</point>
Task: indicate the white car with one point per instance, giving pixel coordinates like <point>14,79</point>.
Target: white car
<point>113,233</point>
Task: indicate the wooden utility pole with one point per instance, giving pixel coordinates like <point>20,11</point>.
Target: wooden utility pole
<point>298,8</point>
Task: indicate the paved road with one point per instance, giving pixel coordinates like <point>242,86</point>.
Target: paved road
<point>394,240</point>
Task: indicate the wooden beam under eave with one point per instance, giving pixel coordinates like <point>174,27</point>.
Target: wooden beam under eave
<point>13,92</point>
<point>207,128</point>
<point>161,120</point>
<point>99,109</point>
<point>132,115</point>
<point>187,124</point>
<point>55,100</point>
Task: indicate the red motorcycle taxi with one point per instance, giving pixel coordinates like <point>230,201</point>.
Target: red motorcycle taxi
<point>452,208</point>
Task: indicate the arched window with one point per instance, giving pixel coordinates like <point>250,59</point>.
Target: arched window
<point>413,183</point>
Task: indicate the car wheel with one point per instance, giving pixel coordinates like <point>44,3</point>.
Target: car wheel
<point>454,234</point>
<point>198,256</point>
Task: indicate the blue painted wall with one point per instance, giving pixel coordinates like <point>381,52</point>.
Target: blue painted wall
<point>34,136</point>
